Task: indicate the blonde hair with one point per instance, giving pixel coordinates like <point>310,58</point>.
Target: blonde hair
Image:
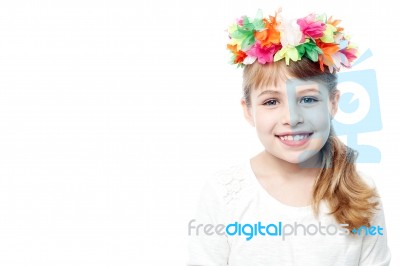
<point>350,199</point>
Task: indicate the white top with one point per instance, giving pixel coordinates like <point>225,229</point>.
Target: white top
<point>235,195</point>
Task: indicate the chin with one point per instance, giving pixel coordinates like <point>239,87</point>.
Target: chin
<point>302,158</point>
<point>294,160</point>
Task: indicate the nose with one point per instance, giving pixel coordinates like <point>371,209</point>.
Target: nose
<point>292,115</point>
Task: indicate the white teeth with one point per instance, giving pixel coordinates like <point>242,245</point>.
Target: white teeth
<point>294,138</point>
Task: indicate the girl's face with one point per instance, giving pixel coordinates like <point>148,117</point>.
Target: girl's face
<point>292,119</point>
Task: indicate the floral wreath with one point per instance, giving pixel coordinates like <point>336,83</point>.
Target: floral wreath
<point>268,40</point>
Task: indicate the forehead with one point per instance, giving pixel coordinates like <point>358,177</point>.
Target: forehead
<point>279,76</point>
<point>291,85</point>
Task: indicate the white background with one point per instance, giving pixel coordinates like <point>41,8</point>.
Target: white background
<point>112,114</point>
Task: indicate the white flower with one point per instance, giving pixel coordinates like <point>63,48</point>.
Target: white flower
<point>291,34</point>
<point>249,60</point>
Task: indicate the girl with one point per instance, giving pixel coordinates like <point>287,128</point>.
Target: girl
<point>300,201</point>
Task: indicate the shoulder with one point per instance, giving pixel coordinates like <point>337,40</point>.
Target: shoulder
<point>230,181</point>
<point>368,179</point>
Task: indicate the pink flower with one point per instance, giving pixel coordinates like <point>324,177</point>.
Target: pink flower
<point>263,54</point>
<point>311,27</point>
<point>348,56</point>
<point>239,21</point>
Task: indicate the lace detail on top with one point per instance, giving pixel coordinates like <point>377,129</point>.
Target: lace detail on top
<point>232,182</point>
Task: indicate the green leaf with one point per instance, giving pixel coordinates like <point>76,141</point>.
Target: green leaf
<point>258,21</point>
<point>247,27</point>
<point>301,49</point>
<point>245,20</point>
<point>312,55</point>
<point>258,25</point>
<point>310,50</point>
<point>249,41</point>
<point>245,31</point>
<point>259,15</point>
<point>238,35</point>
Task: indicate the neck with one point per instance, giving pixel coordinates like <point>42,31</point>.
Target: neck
<point>287,170</point>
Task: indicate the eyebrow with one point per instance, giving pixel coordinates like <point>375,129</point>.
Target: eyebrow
<point>300,92</point>
<point>268,92</point>
<point>310,90</point>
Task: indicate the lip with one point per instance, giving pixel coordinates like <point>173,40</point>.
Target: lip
<point>291,133</point>
<point>295,143</point>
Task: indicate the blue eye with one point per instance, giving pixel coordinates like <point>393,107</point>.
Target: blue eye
<point>308,100</point>
<point>270,102</point>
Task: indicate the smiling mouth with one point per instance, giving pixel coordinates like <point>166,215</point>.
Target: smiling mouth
<point>295,137</point>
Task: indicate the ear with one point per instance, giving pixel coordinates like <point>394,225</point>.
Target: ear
<point>333,103</point>
<point>248,113</point>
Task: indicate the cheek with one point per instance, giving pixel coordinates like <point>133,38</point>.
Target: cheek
<point>319,119</point>
<point>264,120</point>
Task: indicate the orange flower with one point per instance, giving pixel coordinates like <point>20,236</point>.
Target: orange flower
<point>328,49</point>
<point>271,34</point>
<point>335,23</point>
<point>239,54</point>
<point>232,48</point>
